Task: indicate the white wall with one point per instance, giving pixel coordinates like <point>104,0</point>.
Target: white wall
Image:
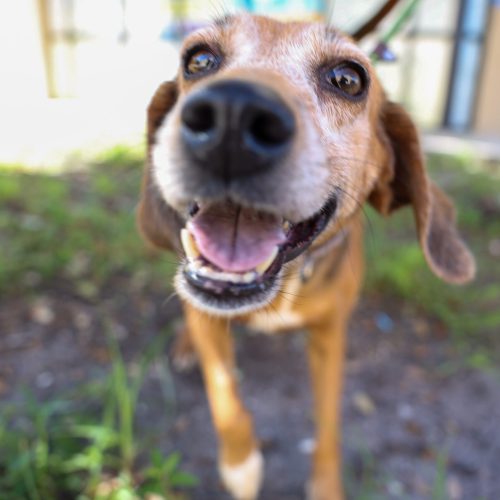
<point>114,81</point>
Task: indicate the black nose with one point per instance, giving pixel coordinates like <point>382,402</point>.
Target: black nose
<point>236,128</point>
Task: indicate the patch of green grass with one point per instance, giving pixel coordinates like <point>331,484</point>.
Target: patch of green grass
<point>54,450</point>
<point>76,228</point>
<point>369,483</point>
<point>366,484</point>
<point>439,487</point>
<point>396,267</point>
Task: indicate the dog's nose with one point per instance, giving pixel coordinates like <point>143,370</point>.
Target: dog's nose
<point>236,128</point>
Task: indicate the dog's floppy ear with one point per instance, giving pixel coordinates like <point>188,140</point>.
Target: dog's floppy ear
<point>157,221</point>
<point>404,181</point>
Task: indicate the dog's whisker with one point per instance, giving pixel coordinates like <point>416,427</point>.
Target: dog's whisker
<point>361,207</point>
<point>276,311</point>
<point>169,298</point>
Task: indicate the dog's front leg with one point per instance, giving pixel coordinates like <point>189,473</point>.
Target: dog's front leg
<point>240,461</point>
<point>326,356</point>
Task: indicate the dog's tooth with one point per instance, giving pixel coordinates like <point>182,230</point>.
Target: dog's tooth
<point>189,245</point>
<point>263,266</point>
<point>199,267</point>
<point>249,277</point>
<point>194,265</point>
<point>232,277</point>
<point>205,271</point>
<point>197,264</point>
<point>239,277</point>
<point>286,226</point>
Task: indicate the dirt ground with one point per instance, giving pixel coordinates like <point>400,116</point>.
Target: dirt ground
<point>410,405</point>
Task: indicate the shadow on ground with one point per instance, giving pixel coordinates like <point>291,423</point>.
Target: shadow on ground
<point>414,417</point>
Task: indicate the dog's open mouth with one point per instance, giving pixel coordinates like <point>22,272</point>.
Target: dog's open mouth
<point>234,251</point>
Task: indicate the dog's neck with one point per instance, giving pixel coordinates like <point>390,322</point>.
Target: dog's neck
<point>338,240</point>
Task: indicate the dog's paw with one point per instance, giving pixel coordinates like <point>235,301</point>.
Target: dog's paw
<point>243,480</point>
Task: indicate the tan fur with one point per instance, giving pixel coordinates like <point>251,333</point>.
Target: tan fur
<point>369,150</point>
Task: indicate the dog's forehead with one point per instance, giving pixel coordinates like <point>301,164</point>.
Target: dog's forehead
<point>256,41</point>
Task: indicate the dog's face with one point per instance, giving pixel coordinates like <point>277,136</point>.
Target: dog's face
<point>264,110</point>
<point>270,138</point>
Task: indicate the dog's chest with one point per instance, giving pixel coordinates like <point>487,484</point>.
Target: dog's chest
<point>270,321</point>
<point>280,315</point>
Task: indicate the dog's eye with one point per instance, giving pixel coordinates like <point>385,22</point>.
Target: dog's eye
<point>349,78</point>
<point>200,61</point>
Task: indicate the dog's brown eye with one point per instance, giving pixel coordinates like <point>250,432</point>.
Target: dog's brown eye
<point>201,61</point>
<point>349,78</point>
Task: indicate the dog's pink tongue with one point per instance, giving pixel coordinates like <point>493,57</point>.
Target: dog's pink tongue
<point>234,238</point>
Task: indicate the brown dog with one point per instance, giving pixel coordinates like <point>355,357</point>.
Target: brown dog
<point>261,154</point>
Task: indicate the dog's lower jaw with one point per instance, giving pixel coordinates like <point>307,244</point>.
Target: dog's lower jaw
<point>214,307</point>
<point>243,480</point>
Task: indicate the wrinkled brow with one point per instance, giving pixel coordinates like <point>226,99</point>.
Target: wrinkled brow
<point>331,34</point>
<point>224,21</point>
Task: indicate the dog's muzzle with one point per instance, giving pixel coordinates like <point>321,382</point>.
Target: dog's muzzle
<point>234,129</point>
<point>234,254</point>
<point>234,134</point>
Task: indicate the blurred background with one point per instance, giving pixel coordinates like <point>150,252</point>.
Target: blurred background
<point>89,404</point>
<point>66,60</point>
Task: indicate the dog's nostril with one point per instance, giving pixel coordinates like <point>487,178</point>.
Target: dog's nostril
<point>236,129</point>
<point>271,129</point>
<point>199,117</point>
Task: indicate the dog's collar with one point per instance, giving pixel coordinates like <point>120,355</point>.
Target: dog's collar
<point>312,257</point>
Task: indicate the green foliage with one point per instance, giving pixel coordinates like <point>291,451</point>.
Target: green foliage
<point>439,487</point>
<point>367,483</point>
<point>122,155</point>
<point>53,449</point>
<point>77,228</point>
<point>395,264</point>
